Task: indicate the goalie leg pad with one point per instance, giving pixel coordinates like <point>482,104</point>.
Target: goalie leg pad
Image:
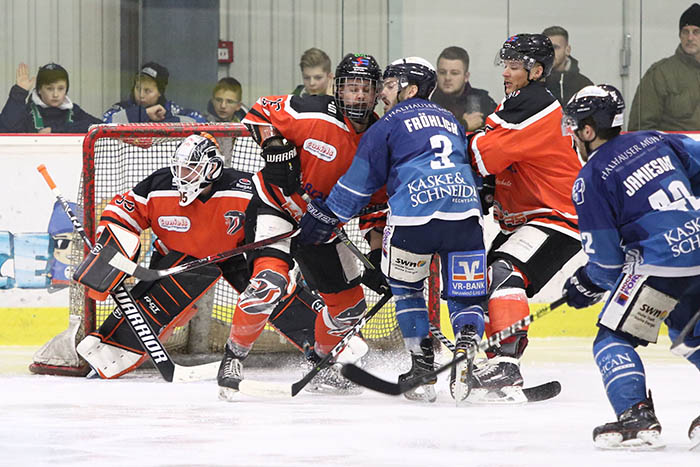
<point>166,304</point>
<point>295,317</point>
<point>97,274</point>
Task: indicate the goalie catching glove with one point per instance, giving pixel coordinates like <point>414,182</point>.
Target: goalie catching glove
<point>317,224</point>
<point>282,167</point>
<point>98,275</point>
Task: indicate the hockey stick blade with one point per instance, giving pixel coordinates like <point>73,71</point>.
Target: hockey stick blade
<point>184,374</point>
<point>118,261</point>
<point>543,391</point>
<point>363,378</point>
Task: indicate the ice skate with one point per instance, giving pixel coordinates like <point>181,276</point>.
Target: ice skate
<point>637,428</point>
<point>229,376</point>
<point>694,433</point>
<point>421,364</point>
<point>330,381</point>
<point>467,342</point>
<point>498,380</point>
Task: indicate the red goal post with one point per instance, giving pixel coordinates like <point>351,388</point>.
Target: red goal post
<point>115,158</point>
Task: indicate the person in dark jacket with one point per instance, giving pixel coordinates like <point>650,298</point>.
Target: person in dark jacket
<point>41,104</point>
<point>469,105</point>
<point>668,96</point>
<point>147,102</point>
<point>566,78</point>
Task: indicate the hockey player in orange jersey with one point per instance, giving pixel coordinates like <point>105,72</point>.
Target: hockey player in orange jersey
<point>308,143</point>
<point>195,208</point>
<point>534,168</point>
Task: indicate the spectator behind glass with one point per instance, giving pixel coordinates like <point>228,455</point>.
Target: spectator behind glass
<point>469,105</point>
<point>45,108</point>
<point>566,78</point>
<point>225,104</point>
<point>668,96</point>
<point>147,102</point>
<point>316,73</point>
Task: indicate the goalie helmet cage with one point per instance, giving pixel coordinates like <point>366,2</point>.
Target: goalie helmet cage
<point>117,157</point>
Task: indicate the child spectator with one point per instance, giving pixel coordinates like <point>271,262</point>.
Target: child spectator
<point>44,107</point>
<point>316,73</point>
<point>147,102</point>
<point>225,104</point>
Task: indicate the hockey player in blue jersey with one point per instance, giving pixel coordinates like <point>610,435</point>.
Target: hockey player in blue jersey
<point>639,218</point>
<point>418,150</point>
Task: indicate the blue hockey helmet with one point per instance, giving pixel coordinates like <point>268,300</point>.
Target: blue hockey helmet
<point>603,103</point>
<point>413,70</point>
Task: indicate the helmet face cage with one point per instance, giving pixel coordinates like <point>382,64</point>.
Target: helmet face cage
<point>195,164</point>
<point>357,86</point>
<point>603,103</point>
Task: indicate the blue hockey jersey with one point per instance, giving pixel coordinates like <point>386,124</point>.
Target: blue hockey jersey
<point>418,150</point>
<point>637,208</point>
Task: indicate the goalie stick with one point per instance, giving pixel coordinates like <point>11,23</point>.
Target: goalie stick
<point>537,393</point>
<point>272,389</point>
<point>117,260</point>
<point>678,347</point>
<point>363,378</point>
<point>171,371</point>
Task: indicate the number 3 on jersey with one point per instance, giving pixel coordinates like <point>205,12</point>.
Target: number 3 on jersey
<point>442,149</point>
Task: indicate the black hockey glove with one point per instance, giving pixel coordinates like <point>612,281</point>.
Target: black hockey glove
<point>486,192</point>
<point>373,278</point>
<point>580,290</point>
<point>282,167</point>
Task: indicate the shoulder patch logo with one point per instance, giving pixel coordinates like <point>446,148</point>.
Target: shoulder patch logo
<point>174,223</point>
<point>320,149</point>
<point>234,221</point>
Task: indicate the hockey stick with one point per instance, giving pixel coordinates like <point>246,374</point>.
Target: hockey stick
<point>265,388</point>
<point>435,331</point>
<point>363,378</point>
<point>117,260</point>
<point>678,347</point>
<point>135,319</point>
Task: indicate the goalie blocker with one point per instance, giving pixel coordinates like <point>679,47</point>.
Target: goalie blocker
<point>113,350</point>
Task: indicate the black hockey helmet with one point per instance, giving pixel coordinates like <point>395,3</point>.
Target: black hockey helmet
<point>530,49</point>
<point>360,70</point>
<point>603,103</point>
<point>413,70</point>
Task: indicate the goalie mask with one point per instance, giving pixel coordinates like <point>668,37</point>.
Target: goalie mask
<point>358,82</point>
<point>413,70</point>
<point>196,164</point>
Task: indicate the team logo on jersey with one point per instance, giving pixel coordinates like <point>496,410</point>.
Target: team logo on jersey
<point>234,221</point>
<point>174,223</point>
<point>467,273</point>
<point>577,191</point>
<point>322,150</point>
<point>274,103</point>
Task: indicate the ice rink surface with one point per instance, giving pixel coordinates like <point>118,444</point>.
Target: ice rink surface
<point>141,420</point>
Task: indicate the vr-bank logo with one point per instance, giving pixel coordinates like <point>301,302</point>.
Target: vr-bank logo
<point>468,274</point>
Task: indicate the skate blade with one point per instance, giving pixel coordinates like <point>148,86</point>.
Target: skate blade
<point>461,387</point>
<point>333,390</point>
<point>507,395</point>
<point>228,394</point>
<point>645,441</point>
<point>425,393</point>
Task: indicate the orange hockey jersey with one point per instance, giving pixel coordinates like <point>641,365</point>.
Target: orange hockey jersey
<point>204,227</point>
<point>535,166</point>
<point>325,140</point>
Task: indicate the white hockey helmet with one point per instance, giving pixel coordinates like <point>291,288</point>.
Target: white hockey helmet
<point>196,164</point>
